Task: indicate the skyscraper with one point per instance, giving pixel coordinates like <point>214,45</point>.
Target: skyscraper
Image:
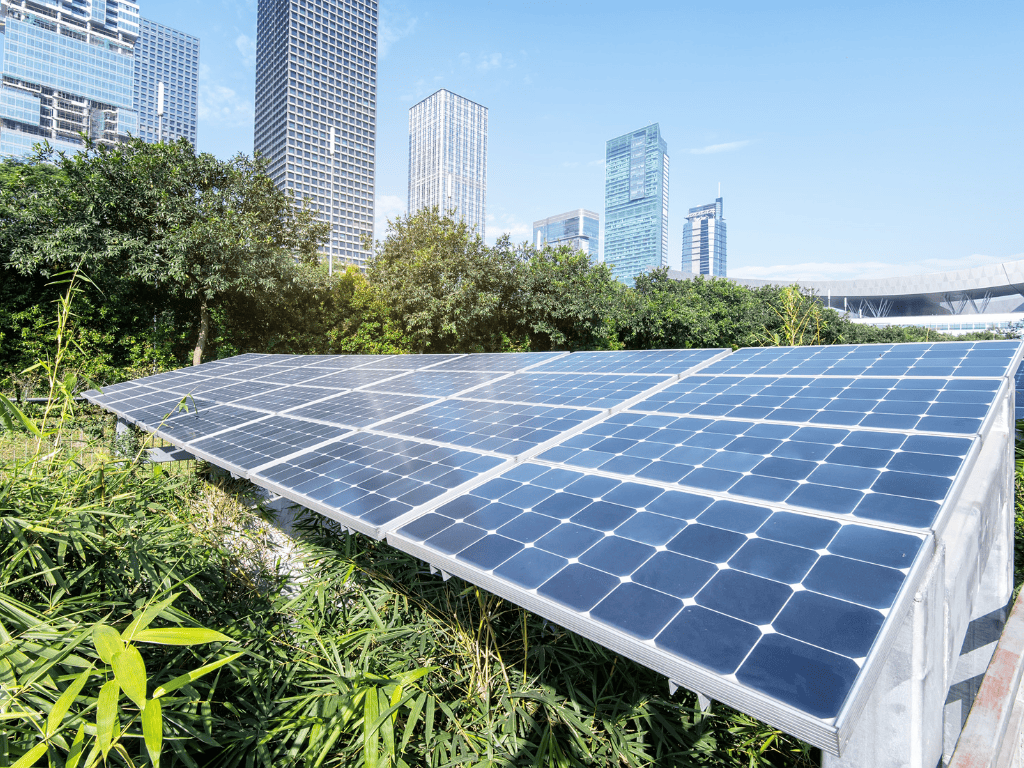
<point>448,157</point>
<point>579,229</point>
<point>316,110</point>
<point>166,60</point>
<point>68,68</point>
<point>636,203</point>
<point>704,240</point>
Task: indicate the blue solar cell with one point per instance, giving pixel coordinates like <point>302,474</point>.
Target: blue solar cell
<point>865,583</point>
<point>489,552</point>
<point>914,486</point>
<point>455,538</point>
<point>808,678</point>
<point>578,586</point>
<point>493,516</point>
<point>685,506</point>
<point>832,624</point>
<point>650,528</point>
<point>746,597</point>
<point>674,574</point>
<point>711,479</point>
<point>734,516</point>
<point>569,540</point>
<point>603,516</point>
<point>424,527</point>
<point>799,530</point>
<point>708,638</point>
<point>708,543</point>
<point>774,560</point>
<point>874,545</point>
<point>826,498</point>
<point>764,488</point>
<point>637,610</point>
<point>616,555</point>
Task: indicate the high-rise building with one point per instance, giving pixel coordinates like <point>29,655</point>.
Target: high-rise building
<point>579,229</point>
<point>167,65</point>
<point>636,203</point>
<point>68,68</point>
<point>448,157</point>
<point>704,240</point>
<point>316,110</point>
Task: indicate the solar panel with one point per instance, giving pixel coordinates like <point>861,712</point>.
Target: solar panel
<point>939,359</point>
<point>752,525</point>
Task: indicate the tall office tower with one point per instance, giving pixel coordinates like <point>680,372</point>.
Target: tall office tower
<point>68,68</point>
<point>448,157</point>
<point>704,240</point>
<point>636,203</point>
<point>167,62</point>
<point>579,229</point>
<point>316,111</point>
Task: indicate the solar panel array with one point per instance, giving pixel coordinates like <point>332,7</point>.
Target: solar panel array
<point>745,523</point>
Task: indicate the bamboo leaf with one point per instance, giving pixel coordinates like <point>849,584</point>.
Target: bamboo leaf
<point>63,704</point>
<point>130,672</point>
<point>180,636</point>
<point>77,746</point>
<point>107,641</point>
<point>106,715</point>
<point>13,416</point>
<point>195,674</point>
<point>146,618</point>
<point>30,757</point>
<point>371,710</point>
<point>153,730</point>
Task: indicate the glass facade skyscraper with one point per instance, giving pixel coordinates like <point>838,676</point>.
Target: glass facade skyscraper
<point>448,157</point>
<point>316,111</point>
<point>167,56</point>
<point>68,68</point>
<point>704,240</point>
<point>636,203</point>
<point>579,229</point>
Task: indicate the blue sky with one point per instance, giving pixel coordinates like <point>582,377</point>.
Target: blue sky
<point>867,140</point>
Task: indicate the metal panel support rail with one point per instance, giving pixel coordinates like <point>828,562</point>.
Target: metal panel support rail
<point>991,738</point>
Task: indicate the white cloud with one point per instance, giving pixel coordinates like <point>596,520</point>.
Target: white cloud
<point>486,61</point>
<point>393,27</point>
<point>247,47</point>
<point>504,223</point>
<point>711,149</point>
<point>222,105</point>
<point>386,207</point>
<point>862,270</point>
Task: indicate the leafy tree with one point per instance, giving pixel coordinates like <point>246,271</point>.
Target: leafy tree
<point>189,225</point>
<point>445,289</point>
<point>569,303</point>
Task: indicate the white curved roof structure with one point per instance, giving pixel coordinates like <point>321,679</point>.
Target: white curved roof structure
<point>931,294</point>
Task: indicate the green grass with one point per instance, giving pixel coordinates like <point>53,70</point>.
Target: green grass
<point>354,654</point>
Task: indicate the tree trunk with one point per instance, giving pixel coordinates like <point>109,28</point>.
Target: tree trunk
<point>204,331</point>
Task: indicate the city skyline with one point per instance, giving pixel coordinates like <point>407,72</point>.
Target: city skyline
<point>820,118</point>
<point>315,116</point>
<point>448,158</point>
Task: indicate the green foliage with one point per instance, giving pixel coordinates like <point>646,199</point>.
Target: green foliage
<point>159,215</point>
<point>442,286</point>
